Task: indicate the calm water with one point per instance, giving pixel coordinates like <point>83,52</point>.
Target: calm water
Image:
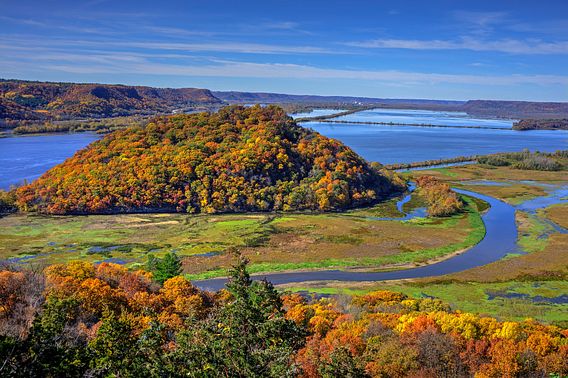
<point>27,157</point>
<point>316,113</point>
<point>406,144</point>
<point>425,117</point>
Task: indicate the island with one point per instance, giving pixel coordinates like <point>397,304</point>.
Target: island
<point>541,124</point>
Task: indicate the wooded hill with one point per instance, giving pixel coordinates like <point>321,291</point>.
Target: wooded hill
<point>26,100</point>
<point>238,159</point>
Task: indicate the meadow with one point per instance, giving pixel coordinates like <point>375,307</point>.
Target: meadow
<point>272,241</point>
<point>527,284</point>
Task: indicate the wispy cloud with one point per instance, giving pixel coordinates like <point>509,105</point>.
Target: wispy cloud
<point>123,64</point>
<point>512,46</point>
<point>54,25</point>
<point>233,47</point>
<point>178,32</point>
<point>480,23</point>
<point>149,46</point>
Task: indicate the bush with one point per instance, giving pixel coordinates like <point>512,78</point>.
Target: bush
<point>442,201</point>
<point>7,202</point>
<point>537,161</point>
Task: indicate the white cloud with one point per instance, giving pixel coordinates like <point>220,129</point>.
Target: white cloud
<point>224,68</point>
<point>213,46</point>
<point>513,46</point>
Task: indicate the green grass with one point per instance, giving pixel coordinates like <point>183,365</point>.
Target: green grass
<point>386,209</point>
<point>532,233</point>
<point>445,171</point>
<point>131,237</point>
<point>408,257</point>
<point>273,242</point>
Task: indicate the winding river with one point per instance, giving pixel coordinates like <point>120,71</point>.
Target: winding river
<point>500,239</point>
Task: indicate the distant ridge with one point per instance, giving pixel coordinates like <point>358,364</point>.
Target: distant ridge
<point>28,100</point>
<point>265,97</point>
<point>38,101</point>
<point>484,108</point>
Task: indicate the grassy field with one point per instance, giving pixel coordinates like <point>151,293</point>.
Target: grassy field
<point>558,214</point>
<point>532,232</point>
<point>273,242</point>
<point>518,286</point>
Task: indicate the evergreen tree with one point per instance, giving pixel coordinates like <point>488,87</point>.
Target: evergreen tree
<point>55,350</point>
<point>248,337</point>
<point>165,268</point>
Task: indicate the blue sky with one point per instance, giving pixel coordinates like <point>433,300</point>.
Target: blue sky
<point>398,49</point>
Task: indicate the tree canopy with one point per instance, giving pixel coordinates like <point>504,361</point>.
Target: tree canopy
<point>102,320</point>
<point>238,159</point>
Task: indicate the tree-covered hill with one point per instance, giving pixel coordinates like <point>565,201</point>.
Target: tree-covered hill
<point>238,159</point>
<point>26,100</point>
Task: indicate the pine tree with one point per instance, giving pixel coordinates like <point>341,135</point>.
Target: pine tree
<point>165,268</point>
<point>247,337</point>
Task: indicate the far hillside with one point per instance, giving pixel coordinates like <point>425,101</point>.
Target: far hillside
<point>480,108</point>
<point>27,100</point>
<point>238,159</point>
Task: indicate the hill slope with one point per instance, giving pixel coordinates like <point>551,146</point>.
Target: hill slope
<point>25,100</point>
<point>239,159</point>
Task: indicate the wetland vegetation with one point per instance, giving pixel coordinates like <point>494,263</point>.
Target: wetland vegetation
<point>529,283</point>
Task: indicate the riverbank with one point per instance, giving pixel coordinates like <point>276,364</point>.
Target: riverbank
<point>519,285</point>
<point>271,241</point>
<point>500,238</point>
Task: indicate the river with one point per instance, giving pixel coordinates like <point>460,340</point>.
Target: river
<point>429,117</point>
<point>500,239</point>
<point>407,144</point>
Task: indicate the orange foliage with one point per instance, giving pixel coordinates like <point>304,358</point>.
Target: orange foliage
<point>239,159</point>
<point>442,201</point>
<point>406,342</point>
<point>381,334</point>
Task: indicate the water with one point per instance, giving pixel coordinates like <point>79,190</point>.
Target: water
<point>425,117</point>
<point>407,144</point>
<point>486,183</point>
<point>561,299</point>
<point>419,212</point>
<point>500,239</point>
<point>556,194</point>
<point>28,157</point>
<point>316,113</point>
